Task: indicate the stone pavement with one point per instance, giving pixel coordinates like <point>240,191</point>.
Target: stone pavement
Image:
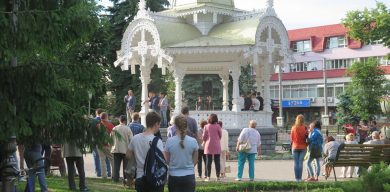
<point>265,170</point>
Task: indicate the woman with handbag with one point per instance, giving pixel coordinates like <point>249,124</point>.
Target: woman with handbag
<point>298,138</point>
<point>248,145</point>
<point>315,150</point>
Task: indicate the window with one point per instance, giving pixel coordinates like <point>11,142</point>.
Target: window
<point>335,42</point>
<point>303,91</point>
<point>274,91</point>
<point>295,91</point>
<point>339,63</point>
<point>311,91</point>
<point>286,91</point>
<point>339,90</point>
<point>296,67</point>
<point>301,46</point>
<point>320,91</point>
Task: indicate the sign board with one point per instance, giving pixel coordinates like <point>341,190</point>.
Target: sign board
<point>296,103</point>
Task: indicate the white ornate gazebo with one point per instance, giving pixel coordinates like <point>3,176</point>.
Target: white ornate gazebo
<point>207,37</point>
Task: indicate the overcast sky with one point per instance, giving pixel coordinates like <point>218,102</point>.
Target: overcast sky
<point>306,13</point>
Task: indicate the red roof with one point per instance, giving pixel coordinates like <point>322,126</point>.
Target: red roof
<point>333,73</point>
<point>318,35</point>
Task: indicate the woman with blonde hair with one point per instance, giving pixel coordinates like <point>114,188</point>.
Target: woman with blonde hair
<point>349,139</point>
<point>298,139</point>
<point>181,152</point>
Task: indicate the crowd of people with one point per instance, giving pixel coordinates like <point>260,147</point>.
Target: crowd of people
<point>307,145</point>
<point>186,147</point>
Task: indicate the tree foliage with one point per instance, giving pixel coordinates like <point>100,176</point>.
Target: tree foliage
<point>344,110</point>
<point>370,25</point>
<point>366,88</point>
<point>44,98</point>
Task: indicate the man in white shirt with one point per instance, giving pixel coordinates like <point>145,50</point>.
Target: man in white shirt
<point>139,147</point>
<point>121,135</point>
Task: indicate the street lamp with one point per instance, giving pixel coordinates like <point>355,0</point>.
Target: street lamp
<point>89,102</point>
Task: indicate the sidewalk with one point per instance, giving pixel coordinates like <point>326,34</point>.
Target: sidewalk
<point>265,170</point>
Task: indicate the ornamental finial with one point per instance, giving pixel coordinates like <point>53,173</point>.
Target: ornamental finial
<point>141,5</point>
<point>270,3</point>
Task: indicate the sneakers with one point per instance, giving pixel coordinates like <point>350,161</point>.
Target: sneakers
<point>207,179</point>
<point>237,179</point>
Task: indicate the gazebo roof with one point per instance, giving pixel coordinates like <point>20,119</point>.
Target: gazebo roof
<point>243,30</point>
<point>180,34</point>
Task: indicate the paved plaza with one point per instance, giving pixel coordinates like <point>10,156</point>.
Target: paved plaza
<point>265,170</point>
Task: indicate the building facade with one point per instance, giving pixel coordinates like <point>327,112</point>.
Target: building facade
<point>304,76</point>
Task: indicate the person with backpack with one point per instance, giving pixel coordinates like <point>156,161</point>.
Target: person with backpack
<point>181,152</point>
<point>150,162</point>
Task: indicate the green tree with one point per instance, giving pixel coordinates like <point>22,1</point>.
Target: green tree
<point>344,111</point>
<point>48,64</point>
<point>369,25</point>
<point>121,14</point>
<point>246,79</point>
<point>366,88</point>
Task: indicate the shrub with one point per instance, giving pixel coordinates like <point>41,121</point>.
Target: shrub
<point>377,178</point>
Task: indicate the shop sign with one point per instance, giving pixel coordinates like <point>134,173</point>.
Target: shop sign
<point>296,103</point>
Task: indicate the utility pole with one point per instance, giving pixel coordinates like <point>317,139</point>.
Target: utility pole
<point>280,119</point>
<point>325,116</point>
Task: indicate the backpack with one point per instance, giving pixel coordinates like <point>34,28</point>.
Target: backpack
<point>155,167</point>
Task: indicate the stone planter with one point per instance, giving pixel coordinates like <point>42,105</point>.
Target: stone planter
<point>385,106</point>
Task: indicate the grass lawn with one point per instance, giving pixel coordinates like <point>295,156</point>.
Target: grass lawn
<point>57,184</point>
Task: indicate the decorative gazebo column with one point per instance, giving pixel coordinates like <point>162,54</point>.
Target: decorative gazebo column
<point>145,80</point>
<point>235,73</point>
<point>178,75</point>
<point>225,83</point>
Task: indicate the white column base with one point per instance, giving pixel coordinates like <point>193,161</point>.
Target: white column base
<point>325,120</point>
<point>280,121</point>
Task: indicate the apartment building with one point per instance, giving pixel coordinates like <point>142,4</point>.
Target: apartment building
<point>303,78</point>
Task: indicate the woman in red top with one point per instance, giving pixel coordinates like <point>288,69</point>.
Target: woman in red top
<point>298,139</point>
<point>212,134</point>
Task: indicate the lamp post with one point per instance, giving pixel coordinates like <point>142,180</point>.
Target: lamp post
<point>280,120</point>
<point>325,116</point>
<point>89,102</point>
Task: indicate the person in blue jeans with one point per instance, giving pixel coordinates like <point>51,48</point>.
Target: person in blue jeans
<point>33,158</point>
<point>315,144</point>
<point>298,138</point>
<point>95,154</point>
<point>252,136</point>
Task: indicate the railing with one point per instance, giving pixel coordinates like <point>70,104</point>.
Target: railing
<point>236,120</point>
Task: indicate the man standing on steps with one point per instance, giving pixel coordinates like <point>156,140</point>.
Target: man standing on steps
<point>130,104</point>
<point>163,105</point>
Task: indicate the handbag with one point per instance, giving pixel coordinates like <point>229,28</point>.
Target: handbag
<point>244,147</point>
<point>315,151</point>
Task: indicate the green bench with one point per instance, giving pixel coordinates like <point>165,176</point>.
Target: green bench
<point>361,155</point>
